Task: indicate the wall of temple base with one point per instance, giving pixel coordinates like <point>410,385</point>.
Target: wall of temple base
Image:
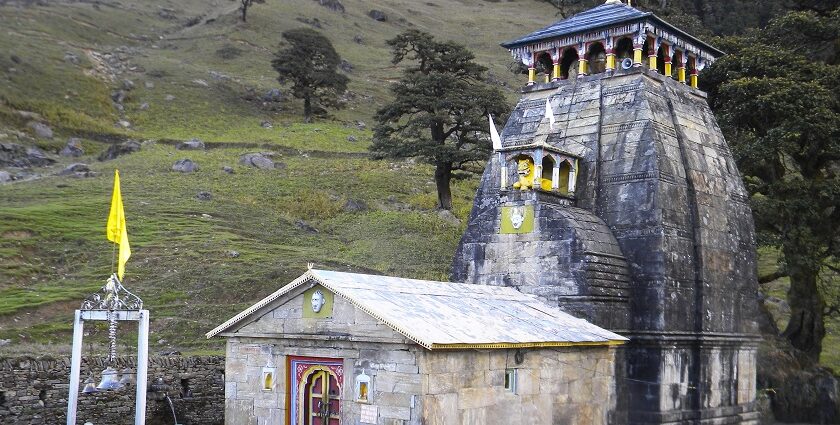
<point>411,385</point>
<point>35,391</point>
<point>710,382</point>
<point>572,385</point>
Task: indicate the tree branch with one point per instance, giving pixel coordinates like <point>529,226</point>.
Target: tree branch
<point>772,276</point>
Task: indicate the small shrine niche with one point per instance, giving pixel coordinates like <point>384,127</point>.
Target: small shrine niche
<point>539,169</point>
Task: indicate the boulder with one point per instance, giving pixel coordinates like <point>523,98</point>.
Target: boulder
<point>334,5</point>
<point>120,149</point>
<point>228,169</point>
<point>449,217</point>
<point>5,177</point>
<point>345,66</point>
<point>358,39</point>
<point>27,157</point>
<point>73,148</point>
<point>273,95</point>
<point>378,15</point>
<point>77,170</point>
<point>352,139</point>
<point>41,130</point>
<point>204,196</point>
<point>185,166</point>
<point>352,205</point>
<point>169,98</point>
<point>118,96</point>
<point>266,124</point>
<point>190,145</point>
<point>258,160</point>
<point>128,85</point>
<point>144,106</point>
<point>149,84</point>
<point>71,57</point>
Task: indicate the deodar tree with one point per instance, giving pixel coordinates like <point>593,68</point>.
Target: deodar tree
<point>310,64</point>
<point>777,100</point>
<point>439,111</point>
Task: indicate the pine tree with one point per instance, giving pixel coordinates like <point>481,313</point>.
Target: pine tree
<point>310,63</point>
<point>439,111</point>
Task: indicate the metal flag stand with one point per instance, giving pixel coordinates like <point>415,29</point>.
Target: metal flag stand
<point>111,304</point>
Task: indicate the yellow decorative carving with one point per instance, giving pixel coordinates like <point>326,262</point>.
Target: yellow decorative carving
<point>525,171</point>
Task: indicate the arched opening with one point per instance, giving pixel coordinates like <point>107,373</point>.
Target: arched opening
<point>661,56</point>
<point>597,57</point>
<point>521,172</point>
<point>624,49</point>
<point>565,172</point>
<point>691,66</point>
<point>677,67</point>
<point>547,172</point>
<point>545,65</point>
<point>569,63</point>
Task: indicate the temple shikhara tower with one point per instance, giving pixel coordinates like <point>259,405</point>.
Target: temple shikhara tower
<point>615,197</point>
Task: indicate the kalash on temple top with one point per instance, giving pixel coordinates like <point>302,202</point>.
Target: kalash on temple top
<point>608,36</point>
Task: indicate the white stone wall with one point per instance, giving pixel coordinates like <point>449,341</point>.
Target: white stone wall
<point>570,386</point>
<point>392,367</point>
<point>411,385</point>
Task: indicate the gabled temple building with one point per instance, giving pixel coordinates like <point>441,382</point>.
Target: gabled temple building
<point>335,348</point>
<point>614,196</point>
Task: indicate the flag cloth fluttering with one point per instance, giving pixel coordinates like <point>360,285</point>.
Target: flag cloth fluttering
<point>549,113</point>
<point>494,135</point>
<point>116,231</point>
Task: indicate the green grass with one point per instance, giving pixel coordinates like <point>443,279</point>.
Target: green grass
<point>182,264</point>
<point>52,245</point>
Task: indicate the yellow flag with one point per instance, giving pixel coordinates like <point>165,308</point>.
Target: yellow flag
<point>117,232</point>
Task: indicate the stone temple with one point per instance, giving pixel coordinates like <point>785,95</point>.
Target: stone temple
<point>614,196</point>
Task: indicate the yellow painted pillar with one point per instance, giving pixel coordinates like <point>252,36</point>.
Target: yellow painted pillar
<point>532,76</point>
<point>583,68</point>
<point>652,62</point>
<point>547,78</point>
<point>556,71</point>
<point>681,61</point>
<point>610,61</point>
<point>667,56</point>
<point>694,79</point>
<point>637,55</point>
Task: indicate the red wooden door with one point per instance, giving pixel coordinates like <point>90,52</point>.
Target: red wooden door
<point>322,404</point>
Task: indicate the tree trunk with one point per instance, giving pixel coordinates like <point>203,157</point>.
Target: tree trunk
<point>244,11</point>
<point>307,109</point>
<point>443,175</point>
<point>806,327</point>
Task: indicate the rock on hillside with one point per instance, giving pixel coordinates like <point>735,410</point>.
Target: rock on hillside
<point>14,155</point>
<point>119,149</point>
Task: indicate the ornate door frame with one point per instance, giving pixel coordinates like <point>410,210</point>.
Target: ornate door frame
<point>300,369</point>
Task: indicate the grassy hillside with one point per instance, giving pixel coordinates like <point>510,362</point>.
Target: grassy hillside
<point>196,71</point>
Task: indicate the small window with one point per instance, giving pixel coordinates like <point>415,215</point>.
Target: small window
<point>510,380</point>
<point>268,378</point>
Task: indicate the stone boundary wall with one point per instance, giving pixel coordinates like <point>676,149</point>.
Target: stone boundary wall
<point>35,391</point>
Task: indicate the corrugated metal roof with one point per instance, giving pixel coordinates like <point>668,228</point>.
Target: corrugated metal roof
<point>597,17</point>
<point>451,315</point>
